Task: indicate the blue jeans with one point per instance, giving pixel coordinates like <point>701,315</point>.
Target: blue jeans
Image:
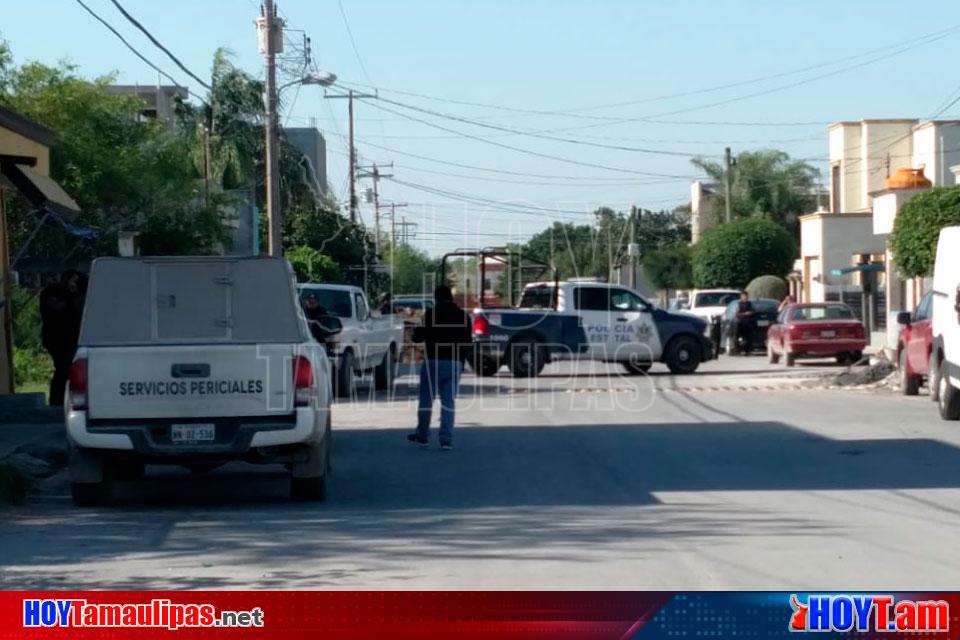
<point>438,377</point>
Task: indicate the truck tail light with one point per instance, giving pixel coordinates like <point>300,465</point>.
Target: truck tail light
<point>481,326</point>
<point>302,382</point>
<point>79,379</point>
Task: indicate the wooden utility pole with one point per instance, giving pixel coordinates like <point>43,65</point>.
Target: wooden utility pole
<point>353,148</point>
<point>271,43</point>
<point>374,172</point>
<point>727,182</point>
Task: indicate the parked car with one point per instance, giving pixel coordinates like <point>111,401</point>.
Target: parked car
<point>945,357</point>
<point>369,341</point>
<point>412,304</point>
<point>915,345</point>
<point>196,362</point>
<point>764,316</point>
<point>710,303</point>
<point>816,330</point>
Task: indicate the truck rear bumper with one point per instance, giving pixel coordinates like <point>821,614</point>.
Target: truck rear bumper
<point>234,437</point>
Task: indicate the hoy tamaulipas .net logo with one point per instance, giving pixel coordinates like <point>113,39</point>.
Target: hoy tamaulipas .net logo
<point>867,613</point>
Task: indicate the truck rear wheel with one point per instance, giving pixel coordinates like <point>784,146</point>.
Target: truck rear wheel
<point>308,480</point>
<point>385,372</point>
<point>527,359</point>
<point>683,355</point>
<point>344,380</point>
<point>90,494</point>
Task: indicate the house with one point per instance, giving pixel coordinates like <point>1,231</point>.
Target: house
<point>159,102</point>
<point>25,169</point>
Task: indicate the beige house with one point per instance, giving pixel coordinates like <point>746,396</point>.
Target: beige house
<point>24,168</point>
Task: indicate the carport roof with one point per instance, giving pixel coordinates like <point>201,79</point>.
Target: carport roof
<point>13,121</point>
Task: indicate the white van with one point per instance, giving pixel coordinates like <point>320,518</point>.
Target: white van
<point>945,354</point>
<point>196,362</point>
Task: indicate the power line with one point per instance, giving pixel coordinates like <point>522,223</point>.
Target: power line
<point>529,152</point>
<point>158,44</point>
<point>132,48</point>
<point>577,112</point>
<point>353,41</point>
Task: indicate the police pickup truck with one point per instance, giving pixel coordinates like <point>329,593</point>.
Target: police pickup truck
<point>196,362</point>
<point>589,320</point>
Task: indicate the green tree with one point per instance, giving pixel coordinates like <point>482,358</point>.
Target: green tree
<point>670,267</point>
<point>120,169</point>
<point>412,270</point>
<point>313,266</point>
<point>917,228</point>
<point>766,183</point>
<point>733,254</point>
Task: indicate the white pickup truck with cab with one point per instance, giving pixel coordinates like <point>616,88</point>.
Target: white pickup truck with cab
<point>945,351</point>
<point>369,340</point>
<point>196,362</point>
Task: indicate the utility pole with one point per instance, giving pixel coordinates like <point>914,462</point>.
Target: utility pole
<point>393,222</point>
<point>270,29</point>
<point>353,147</point>
<point>405,227</point>
<point>271,42</point>
<point>374,172</point>
<point>727,182</point>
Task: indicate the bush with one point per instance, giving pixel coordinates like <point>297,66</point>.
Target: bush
<point>735,253</point>
<point>917,228</point>
<point>31,364</point>
<point>772,287</point>
<point>669,268</point>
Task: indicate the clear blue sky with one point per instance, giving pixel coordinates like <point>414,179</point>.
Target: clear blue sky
<point>546,55</point>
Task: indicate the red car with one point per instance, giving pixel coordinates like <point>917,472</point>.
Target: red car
<point>915,345</point>
<point>816,330</point>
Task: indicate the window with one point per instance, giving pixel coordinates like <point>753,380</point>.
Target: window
<point>336,303</point>
<point>592,298</point>
<point>537,298</point>
<point>924,308</point>
<point>716,298</point>
<point>835,187</point>
<point>363,312</point>
<point>623,300</point>
<point>826,312</point>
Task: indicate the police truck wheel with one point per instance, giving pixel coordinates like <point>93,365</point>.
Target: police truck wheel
<point>345,375</point>
<point>308,489</point>
<point>636,368</point>
<point>527,359</point>
<point>90,494</point>
<point>383,375</point>
<point>909,384</point>
<point>683,355</point>
<point>949,400</point>
<point>487,366</point>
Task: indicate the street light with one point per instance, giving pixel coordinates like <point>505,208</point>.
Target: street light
<point>275,221</point>
<point>322,79</point>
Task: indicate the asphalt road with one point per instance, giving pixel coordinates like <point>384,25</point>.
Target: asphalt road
<point>596,482</point>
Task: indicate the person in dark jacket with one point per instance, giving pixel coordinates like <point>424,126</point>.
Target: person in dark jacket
<point>61,311</point>
<point>447,338</point>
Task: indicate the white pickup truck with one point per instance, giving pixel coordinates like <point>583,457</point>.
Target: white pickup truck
<point>945,353</point>
<point>196,362</point>
<point>369,341</point>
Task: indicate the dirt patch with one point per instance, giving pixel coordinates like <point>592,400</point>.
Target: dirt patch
<point>26,464</point>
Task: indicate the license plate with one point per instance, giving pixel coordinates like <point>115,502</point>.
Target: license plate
<point>763,323</point>
<point>192,433</point>
<point>828,334</point>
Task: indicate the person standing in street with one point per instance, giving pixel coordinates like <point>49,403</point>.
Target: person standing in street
<point>61,311</point>
<point>447,340</point>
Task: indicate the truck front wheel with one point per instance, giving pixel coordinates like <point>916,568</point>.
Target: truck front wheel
<point>949,397</point>
<point>683,355</point>
<point>385,372</point>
